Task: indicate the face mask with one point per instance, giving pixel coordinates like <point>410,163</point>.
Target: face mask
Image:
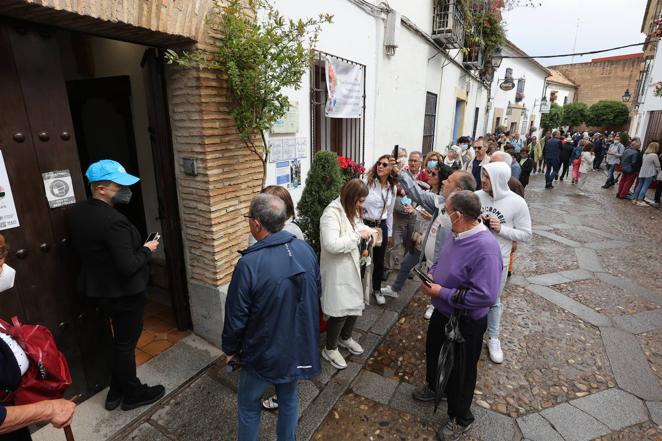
<point>7,277</point>
<point>464,146</point>
<point>123,196</point>
<point>405,201</point>
<point>432,164</point>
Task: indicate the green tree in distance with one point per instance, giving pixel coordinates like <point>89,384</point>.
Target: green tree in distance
<point>574,114</point>
<point>552,120</point>
<point>260,58</point>
<point>608,114</point>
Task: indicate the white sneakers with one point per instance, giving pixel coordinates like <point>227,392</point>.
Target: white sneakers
<point>428,312</point>
<point>335,358</point>
<point>351,345</point>
<point>387,291</point>
<point>494,348</point>
<point>390,292</point>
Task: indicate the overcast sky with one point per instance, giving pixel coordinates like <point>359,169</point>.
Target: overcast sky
<point>550,28</point>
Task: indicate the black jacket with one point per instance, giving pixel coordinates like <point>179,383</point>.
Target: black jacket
<point>114,262</point>
<point>552,150</point>
<point>10,376</point>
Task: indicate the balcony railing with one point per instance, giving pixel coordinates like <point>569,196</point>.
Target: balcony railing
<point>473,58</point>
<point>448,23</point>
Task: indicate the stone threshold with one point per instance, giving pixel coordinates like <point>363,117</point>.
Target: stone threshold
<point>173,368</point>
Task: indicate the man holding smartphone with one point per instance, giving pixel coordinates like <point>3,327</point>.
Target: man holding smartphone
<point>114,274</point>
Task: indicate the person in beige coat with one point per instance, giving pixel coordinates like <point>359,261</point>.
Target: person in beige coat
<point>341,231</point>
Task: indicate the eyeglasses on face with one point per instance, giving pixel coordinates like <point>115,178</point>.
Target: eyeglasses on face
<point>478,147</point>
<point>414,160</point>
<point>433,173</point>
<point>384,164</point>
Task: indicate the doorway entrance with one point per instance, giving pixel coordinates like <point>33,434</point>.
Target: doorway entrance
<point>68,100</point>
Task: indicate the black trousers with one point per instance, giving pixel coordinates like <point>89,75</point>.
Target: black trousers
<point>126,315</point>
<point>339,327</point>
<point>19,435</point>
<point>658,191</point>
<point>566,168</point>
<point>461,384</point>
<point>378,255</point>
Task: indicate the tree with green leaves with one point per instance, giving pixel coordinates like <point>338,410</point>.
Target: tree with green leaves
<point>608,114</point>
<point>553,119</point>
<point>574,114</point>
<point>260,58</point>
<point>323,185</point>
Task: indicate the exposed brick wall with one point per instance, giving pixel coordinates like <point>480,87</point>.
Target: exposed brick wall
<point>604,80</point>
<point>213,203</point>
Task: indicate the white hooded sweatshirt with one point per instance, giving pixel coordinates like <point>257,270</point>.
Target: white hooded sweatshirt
<point>508,207</point>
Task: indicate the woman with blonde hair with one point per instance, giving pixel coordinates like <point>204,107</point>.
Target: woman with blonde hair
<point>341,232</point>
<point>650,167</point>
<point>378,213</point>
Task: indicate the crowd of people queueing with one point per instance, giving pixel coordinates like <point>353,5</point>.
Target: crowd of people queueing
<point>457,218</point>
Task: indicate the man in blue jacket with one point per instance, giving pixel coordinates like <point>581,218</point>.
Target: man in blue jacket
<point>272,318</point>
<point>551,153</point>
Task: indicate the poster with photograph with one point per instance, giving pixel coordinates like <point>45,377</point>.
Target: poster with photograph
<point>283,173</point>
<point>8,214</point>
<point>295,173</point>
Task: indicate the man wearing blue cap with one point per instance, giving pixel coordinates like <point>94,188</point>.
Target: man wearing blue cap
<point>114,274</point>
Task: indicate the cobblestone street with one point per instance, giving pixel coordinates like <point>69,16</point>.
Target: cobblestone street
<point>582,338</point>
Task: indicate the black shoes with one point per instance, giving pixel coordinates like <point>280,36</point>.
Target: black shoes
<point>113,400</point>
<point>143,396</point>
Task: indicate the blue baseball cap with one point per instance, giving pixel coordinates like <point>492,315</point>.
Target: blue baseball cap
<point>109,170</point>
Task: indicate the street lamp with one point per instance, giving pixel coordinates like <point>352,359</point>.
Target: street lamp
<point>626,96</point>
<point>497,58</point>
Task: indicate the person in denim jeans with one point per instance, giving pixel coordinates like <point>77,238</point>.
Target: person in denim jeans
<point>650,167</point>
<point>614,154</point>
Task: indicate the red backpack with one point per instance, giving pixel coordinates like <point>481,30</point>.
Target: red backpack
<point>48,376</point>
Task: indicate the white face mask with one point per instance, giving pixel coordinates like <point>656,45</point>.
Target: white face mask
<point>7,277</point>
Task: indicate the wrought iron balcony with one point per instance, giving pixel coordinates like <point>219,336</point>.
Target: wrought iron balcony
<point>473,58</point>
<point>448,23</point>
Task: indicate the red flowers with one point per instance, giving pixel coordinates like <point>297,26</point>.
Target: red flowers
<point>349,168</point>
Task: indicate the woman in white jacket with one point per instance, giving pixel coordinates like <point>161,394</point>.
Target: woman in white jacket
<point>341,231</point>
<point>650,167</point>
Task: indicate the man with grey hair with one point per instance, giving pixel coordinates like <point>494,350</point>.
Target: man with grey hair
<point>465,283</point>
<point>271,327</point>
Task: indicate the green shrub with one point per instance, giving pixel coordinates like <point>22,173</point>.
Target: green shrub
<point>574,114</point>
<point>323,185</point>
<point>608,114</point>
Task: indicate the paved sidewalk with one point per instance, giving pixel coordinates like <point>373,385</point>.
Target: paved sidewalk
<point>582,337</point>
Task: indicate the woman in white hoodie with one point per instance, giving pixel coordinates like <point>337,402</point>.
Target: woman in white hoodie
<point>341,231</point>
<point>507,216</point>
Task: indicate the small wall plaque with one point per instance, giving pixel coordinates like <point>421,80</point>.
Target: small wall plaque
<point>191,166</point>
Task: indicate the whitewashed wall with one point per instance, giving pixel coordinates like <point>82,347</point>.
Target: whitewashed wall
<point>650,102</point>
<point>533,89</point>
<point>562,92</point>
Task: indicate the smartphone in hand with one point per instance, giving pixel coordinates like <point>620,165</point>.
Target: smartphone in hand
<point>153,236</point>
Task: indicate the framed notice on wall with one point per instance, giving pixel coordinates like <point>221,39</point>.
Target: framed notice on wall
<point>8,214</point>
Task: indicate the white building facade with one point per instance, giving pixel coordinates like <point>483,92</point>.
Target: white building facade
<point>418,96</point>
<point>518,109</point>
<point>647,120</point>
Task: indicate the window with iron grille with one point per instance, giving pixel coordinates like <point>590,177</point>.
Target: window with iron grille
<point>345,136</point>
<point>429,122</point>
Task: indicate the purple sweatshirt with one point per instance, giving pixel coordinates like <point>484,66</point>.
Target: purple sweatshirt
<point>472,261</point>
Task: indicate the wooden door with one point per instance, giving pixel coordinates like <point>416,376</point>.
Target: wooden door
<point>166,182</point>
<point>37,136</point>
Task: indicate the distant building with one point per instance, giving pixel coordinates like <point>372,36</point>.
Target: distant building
<point>560,89</point>
<point>603,78</point>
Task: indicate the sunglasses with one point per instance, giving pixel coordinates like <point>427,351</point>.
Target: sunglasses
<point>478,147</point>
<point>433,173</point>
<point>384,164</point>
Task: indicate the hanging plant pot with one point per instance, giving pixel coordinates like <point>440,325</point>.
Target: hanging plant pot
<point>658,89</point>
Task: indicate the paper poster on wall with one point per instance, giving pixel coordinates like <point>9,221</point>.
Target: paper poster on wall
<point>289,148</point>
<point>8,215</point>
<point>295,173</point>
<point>290,122</point>
<point>302,148</point>
<point>59,188</point>
<point>276,150</point>
<point>283,173</point>
<point>344,83</point>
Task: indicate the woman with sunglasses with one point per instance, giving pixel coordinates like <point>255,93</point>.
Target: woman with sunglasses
<point>378,213</point>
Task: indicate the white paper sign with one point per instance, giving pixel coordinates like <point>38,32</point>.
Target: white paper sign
<point>344,83</point>
<point>289,123</point>
<point>59,188</point>
<point>275,150</point>
<point>8,215</point>
<point>302,148</point>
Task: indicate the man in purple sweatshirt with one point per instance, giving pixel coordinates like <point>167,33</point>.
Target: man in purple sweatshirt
<point>470,259</point>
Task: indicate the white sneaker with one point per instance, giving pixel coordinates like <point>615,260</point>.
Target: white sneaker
<point>335,358</point>
<point>380,298</point>
<point>390,292</point>
<point>351,345</point>
<point>494,348</point>
<point>428,312</point>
